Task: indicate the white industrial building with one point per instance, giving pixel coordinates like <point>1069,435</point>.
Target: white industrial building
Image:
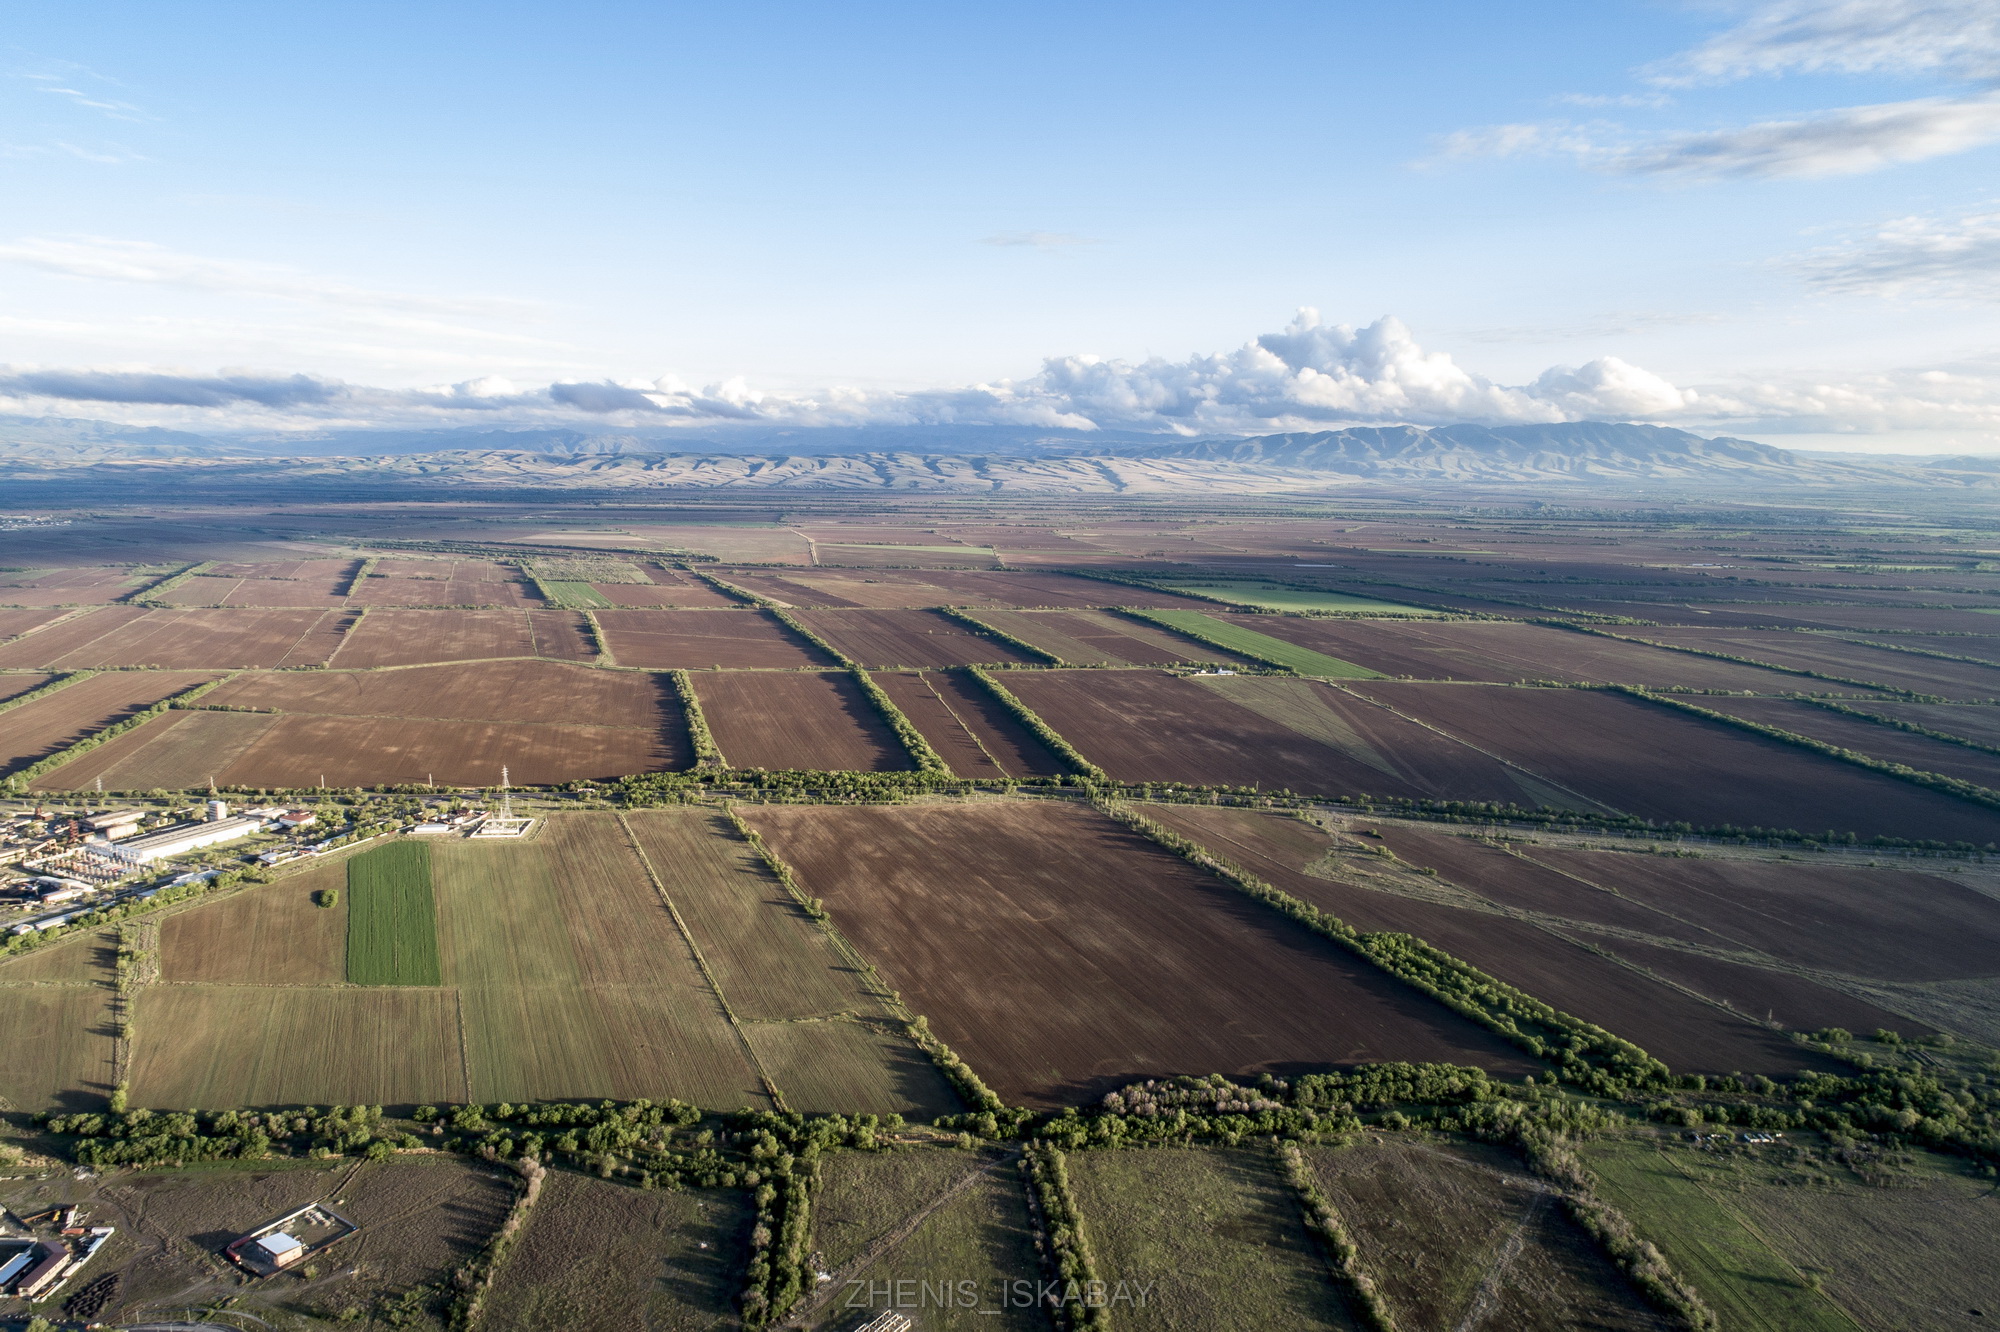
<point>185,837</point>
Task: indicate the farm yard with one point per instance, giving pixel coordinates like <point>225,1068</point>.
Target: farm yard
<point>965,915</point>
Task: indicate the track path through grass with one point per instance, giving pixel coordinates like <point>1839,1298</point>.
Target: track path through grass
<point>707,972</point>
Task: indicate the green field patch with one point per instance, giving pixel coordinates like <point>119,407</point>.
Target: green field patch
<point>1279,596</point>
<point>1215,1238</point>
<point>1262,647</point>
<point>885,545</point>
<point>573,596</point>
<point>1743,1278</point>
<point>942,1217</point>
<point>55,1042</point>
<point>848,1068</point>
<point>392,917</point>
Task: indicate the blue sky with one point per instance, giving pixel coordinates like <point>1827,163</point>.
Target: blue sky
<point>1778,219</point>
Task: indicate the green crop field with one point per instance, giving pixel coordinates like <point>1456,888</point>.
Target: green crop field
<point>1263,647</point>
<point>573,596</point>
<point>1278,596</point>
<point>392,917</point>
<point>1737,1271</point>
<point>1216,1236</point>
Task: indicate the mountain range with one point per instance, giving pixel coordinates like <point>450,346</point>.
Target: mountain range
<point>945,459</point>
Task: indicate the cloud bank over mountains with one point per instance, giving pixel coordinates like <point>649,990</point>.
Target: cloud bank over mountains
<point>1311,375</point>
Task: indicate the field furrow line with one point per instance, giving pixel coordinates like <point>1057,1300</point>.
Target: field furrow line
<point>771,1087</point>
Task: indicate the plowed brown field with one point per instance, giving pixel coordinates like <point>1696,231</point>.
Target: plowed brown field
<point>1144,726</point>
<point>887,638</point>
<point>69,714</point>
<point>1839,657</point>
<point>298,751</point>
<point>1096,638</point>
<point>703,639</point>
<point>1502,653</point>
<point>70,587</point>
<point>1657,763</point>
<point>1690,1035</point>
<point>967,725</point>
<point>1885,924</point>
<point>186,639</point>
<point>523,690</point>
<point>1062,955</point>
<point>14,623</point>
<point>772,719</point>
<point>415,637</point>
<point>1888,743</point>
<point>45,646</point>
<point>181,750</point>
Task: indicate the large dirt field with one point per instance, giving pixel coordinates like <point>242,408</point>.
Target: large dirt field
<point>768,719</point>
<point>1097,638</point>
<point>70,587</point>
<point>600,1255</point>
<point>1960,680</point>
<point>1460,1235</point>
<point>1485,650</point>
<point>700,640</point>
<point>1691,1035</point>
<point>967,725</point>
<point>325,591</point>
<point>1971,721</point>
<point>60,719</point>
<point>393,637</point>
<point>1143,726</point>
<point>223,1045</point>
<point>172,751</point>
<point>521,690</point>
<point>1654,762</point>
<point>1054,951</point>
<point>14,623</point>
<point>268,934</point>
<point>179,639</point>
<point>916,638</point>
<point>297,751</point>
<point>574,979</point>
<point>1885,924</point>
<point>1889,743</point>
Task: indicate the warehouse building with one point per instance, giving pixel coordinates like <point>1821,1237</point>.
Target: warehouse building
<point>182,838</point>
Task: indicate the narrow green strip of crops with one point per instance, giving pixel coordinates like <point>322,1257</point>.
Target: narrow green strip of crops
<point>574,596</point>
<point>1263,647</point>
<point>392,917</point>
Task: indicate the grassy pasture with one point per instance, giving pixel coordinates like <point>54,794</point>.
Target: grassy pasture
<point>392,917</point>
<point>573,595</point>
<point>1277,596</point>
<point>1260,647</point>
<point>595,1254</point>
<point>977,1233</point>
<point>55,1046</point>
<point>267,935</point>
<point>223,1045</point>
<point>1461,1235</point>
<point>850,1068</point>
<point>1217,1234</point>
<point>86,957</point>
<point>770,958</point>
<point>1743,1279</point>
<point>574,978</point>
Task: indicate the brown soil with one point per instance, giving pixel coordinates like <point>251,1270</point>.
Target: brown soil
<point>1647,759</point>
<point>701,639</point>
<point>75,711</point>
<point>50,645</point>
<point>273,934</point>
<point>1144,726</point>
<point>182,639</point>
<point>1885,924</point>
<point>889,638</point>
<point>367,751</point>
<point>1098,638</point>
<point>769,719</point>
<point>1888,743</point>
<point>1062,955</point>
<point>511,691</point>
<point>1503,653</point>
<point>1834,656</point>
<point>1767,996</point>
<point>414,637</point>
<point>967,725</point>
<point>1690,1035</point>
